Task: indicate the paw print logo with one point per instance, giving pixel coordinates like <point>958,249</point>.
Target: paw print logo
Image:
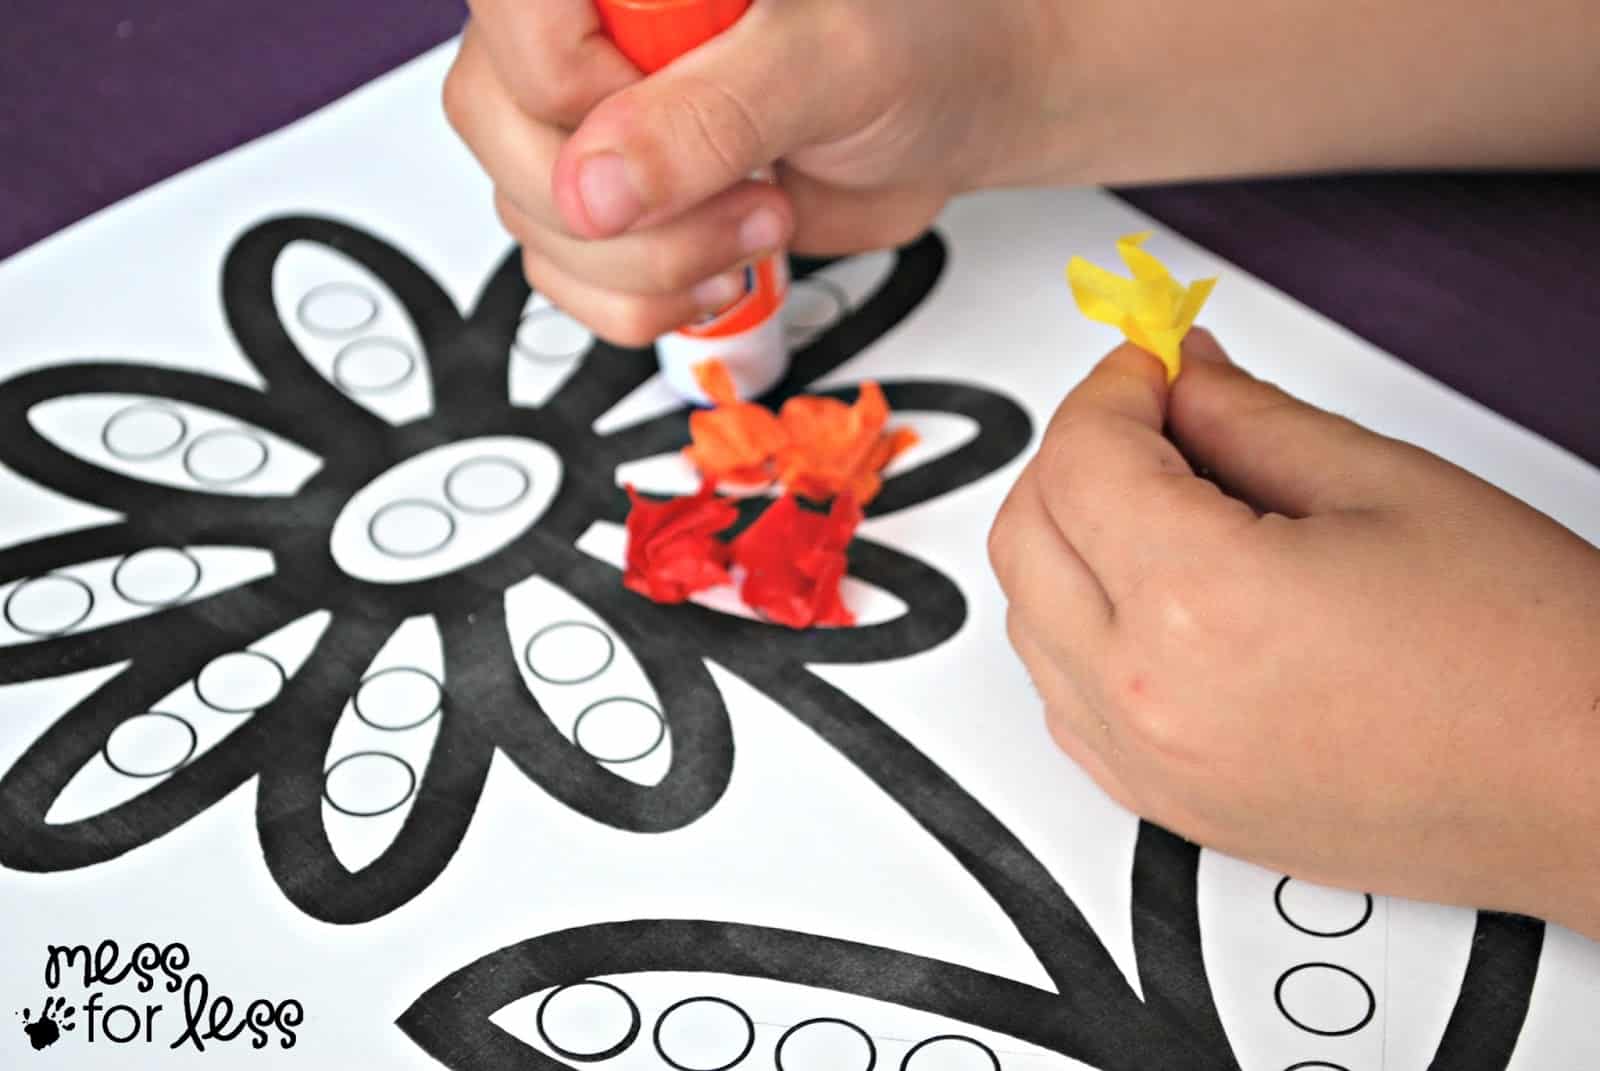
<point>395,554</point>
<point>55,1018</point>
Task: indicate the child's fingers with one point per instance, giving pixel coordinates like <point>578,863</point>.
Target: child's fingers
<point>1070,720</point>
<point>730,108</point>
<point>1046,583</point>
<point>680,254</point>
<point>731,230</point>
<point>517,152</point>
<point>1122,495</point>
<point>628,320</point>
<point>1273,450</point>
<point>551,56</point>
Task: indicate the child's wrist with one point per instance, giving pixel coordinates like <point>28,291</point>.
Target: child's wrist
<point>1047,136</point>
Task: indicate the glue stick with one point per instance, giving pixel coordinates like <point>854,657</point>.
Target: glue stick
<point>747,336</point>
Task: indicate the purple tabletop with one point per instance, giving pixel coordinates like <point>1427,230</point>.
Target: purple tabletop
<point>1485,283</point>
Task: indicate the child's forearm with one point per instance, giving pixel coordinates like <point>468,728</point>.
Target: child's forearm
<point>1150,90</point>
<point>1574,899</point>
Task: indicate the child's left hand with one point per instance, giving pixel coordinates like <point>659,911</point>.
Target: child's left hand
<point>1358,664</point>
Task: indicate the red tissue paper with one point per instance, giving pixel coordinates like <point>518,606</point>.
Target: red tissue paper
<point>794,559</point>
<point>673,550</point>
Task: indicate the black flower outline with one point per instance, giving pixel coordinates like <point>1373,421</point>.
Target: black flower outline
<point>285,743</point>
<point>1093,1014</point>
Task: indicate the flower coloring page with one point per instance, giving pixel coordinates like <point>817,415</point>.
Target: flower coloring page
<point>329,735</point>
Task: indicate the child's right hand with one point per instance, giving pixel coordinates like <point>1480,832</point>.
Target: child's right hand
<point>631,196</point>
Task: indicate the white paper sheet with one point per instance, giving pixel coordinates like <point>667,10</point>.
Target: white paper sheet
<point>277,738</point>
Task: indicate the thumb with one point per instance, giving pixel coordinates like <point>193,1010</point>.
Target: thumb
<point>1273,450</point>
<point>701,125</point>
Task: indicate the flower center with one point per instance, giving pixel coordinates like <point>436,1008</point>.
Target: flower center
<point>445,509</point>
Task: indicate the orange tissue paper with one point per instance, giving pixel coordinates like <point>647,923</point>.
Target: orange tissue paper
<point>835,448</point>
<point>736,440</point>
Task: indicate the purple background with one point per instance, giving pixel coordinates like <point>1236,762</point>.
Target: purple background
<point>1486,283</point>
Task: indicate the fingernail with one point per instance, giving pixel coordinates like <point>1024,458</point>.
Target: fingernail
<point>1202,345</point>
<point>718,293</point>
<point>763,230</point>
<point>608,193</point>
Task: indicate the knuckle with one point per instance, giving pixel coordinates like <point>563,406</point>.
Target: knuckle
<point>1156,728</point>
<point>1071,431</point>
<point>560,99</point>
<point>1179,614</point>
<point>1150,721</point>
<point>537,243</point>
<point>509,215</point>
<point>1016,630</point>
<point>1216,521</point>
<point>668,266</point>
<point>1066,726</point>
<point>1056,451</point>
<point>543,83</point>
<point>456,95</point>
<point>630,323</point>
<point>1001,543</point>
<point>1061,729</point>
<point>1070,443</point>
<point>1161,674</point>
<point>535,270</point>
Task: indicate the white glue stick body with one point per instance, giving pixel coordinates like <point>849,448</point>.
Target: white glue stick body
<point>747,337</point>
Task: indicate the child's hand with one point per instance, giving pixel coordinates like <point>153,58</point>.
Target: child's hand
<point>880,110</point>
<point>1358,664</point>
<point>632,201</point>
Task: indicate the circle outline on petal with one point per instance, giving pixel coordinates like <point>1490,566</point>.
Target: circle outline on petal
<point>433,712</point>
<point>636,1024</point>
<point>194,743</point>
<point>605,664</point>
<point>323,290</point>
<point>411,789</point>
<point>117,583</point>
<point>8,613</point>
<point>660,737</point>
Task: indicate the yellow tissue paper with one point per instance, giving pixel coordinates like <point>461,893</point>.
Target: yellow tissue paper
<point>1152,309</point>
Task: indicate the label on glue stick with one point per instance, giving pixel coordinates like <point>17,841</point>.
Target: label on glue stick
<point>747,336</point>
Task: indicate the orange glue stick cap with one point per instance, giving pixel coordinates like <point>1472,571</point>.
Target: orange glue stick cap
<point>653,33</point>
